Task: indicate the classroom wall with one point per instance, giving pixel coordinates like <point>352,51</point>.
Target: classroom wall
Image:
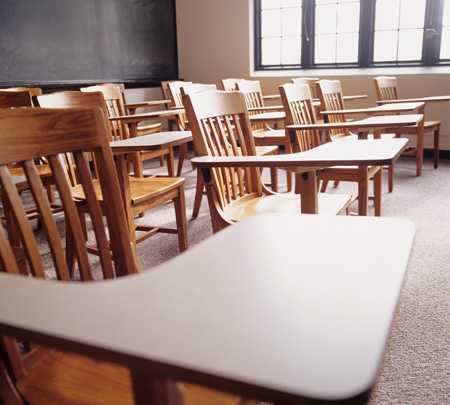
<point>214,42</point>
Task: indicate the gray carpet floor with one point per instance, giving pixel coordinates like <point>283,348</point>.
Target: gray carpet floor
<point>416,366</point>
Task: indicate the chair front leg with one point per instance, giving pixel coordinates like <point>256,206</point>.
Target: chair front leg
<point>363,195</point>
<point>180,214</point>
<point>436,136</point>
<point>378,191</point>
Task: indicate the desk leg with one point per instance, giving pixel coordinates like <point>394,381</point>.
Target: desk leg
<point>420,146</point>
<point>148,390</point>
<point>307,184</point>
<point>363,194</point>
<point>124,180</point>
<point>170,162</point>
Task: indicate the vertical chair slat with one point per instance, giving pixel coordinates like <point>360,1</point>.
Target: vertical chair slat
<point>124,254</point>
<point>46,217</point>
<point>20,216</point>
<point>8,260</point>
<point>230,151</point>
<point>236,152</point>
<point>95,212</point>
<point>72,218</point>
<point>221,145</point>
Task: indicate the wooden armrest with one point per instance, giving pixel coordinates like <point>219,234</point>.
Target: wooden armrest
<point>136,118</point>
<point>152,308</point>
<point>352,152</point>
<point>267,108</point>
<point>148,103</point>
<point>271,97</point>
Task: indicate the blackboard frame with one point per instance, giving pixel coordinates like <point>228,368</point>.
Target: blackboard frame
<point>75,84</point>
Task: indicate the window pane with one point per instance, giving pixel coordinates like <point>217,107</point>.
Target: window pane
<point>387,14</point>
<point>326,19</point>
<point>281,30</point>
<point>385,46</point>
<point>410,45</point>
<point>337,31</point>
<point>445,39</point>
<point>446,19</point>
<point>399,30</point>
<point>291,51</point>
<point>412,14</point>
<point>445,44</point>
<point>348,17</point>
<point>271,23</point>
<point>271,51</point>
<point>325,50</point>
<point>347,48</point>
<point>265,4</point>
<point>291,21</point>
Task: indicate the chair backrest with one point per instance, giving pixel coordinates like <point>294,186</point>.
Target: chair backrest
<point>15,99</point>
<point>165,90</point>
<point>252,92</point>
<point>386,88</point>
<point>298,104</point>
<point>229,84</point>
<point>29,133</point>
<point>196,88</point>
<point>310,81</point>
<point>220,127</point>
<point>332,98</point>
<point>114,99</point>
<point>33,91</point>
<point>175,92</point>
<point>177,101</point>
<point>71,99</point>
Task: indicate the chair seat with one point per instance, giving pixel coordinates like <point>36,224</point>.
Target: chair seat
<point>43,171</point>
<point>63,379</point>
<point>266,150</point>
<point>428,126</point>
<point>252,204</point>
<point>141,189</point>
<point>149,128</point>
<point>349,169</point>
<point>273,133</point>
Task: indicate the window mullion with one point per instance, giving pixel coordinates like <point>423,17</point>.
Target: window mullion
<point>308,34</point>
<point>366,32</point>
<point>432,32</point>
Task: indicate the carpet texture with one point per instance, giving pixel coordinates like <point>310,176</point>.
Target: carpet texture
<point>416,366</point>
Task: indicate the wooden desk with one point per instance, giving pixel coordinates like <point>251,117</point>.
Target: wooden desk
<point>430,99</point>
<point>395,108</point>
<point>273,326</point>
<point>361,153</point>
<point>132,107</point>
<point>316,101</point>
<point>269,118</point>
<point>120,149</point>
<point>271,97</point>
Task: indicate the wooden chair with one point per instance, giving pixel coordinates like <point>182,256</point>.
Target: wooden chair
<point>22,97</point>
<point>387,89</point>
<point>143,129</point>
<point>199,188</point>
<point>331,98</point>
<point>116,107</point>
<point>264,135</point>
<point>34,92</point>
<point>229,84</point>
<point>221,127</point>
<point>299,108</point>
<point>145,193</point>
<point>33,374</point>
<point>310,82</point>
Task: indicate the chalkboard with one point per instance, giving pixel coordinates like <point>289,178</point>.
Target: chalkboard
<point>69,42</point>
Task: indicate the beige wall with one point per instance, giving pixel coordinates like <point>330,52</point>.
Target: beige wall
<point>214,42</point>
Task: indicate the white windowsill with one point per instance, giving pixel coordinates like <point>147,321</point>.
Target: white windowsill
<point>380,71</point>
